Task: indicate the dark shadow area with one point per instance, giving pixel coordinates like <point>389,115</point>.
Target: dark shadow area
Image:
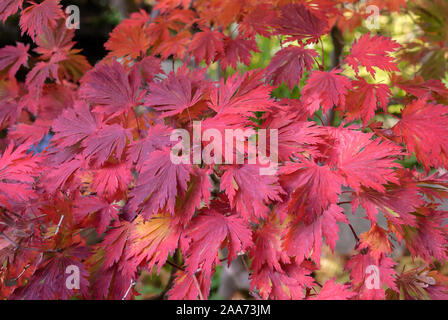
<point>98,18</point>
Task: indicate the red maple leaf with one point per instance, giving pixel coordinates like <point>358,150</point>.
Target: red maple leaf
<point>103,211</point>
<point>111,178</point>
<point>198,192</point>
<point>112,87</point>
<point>8,115</point>
<point>14,57</point>
<point>248,191</point>
<point>58,39</point>
<point>311,187</point>
<point>17,169</point>
<point>206,44</point>
<point>189,286</point>
<point>42,71</point>
<point>289,64</point>
<point>157,138</point>
<point>366,162</point>
<point>151,241</point>
<point>298,23</point>
<point>9,7</point>
<point>167,5</point>
<point>303,240</point>
<point>111,273</point>
<point>49,280</point>
<point>326,89</point>
<point>130,39</point>
<point>418,87</point>
<point>376,240</point>
<point>372,52</point>
<point>236,50</point>
<point>63,176</point>
<point>334,291</point>
<point>287,284</point>
<point>267,250</point>
<point>365,99</point>
<point>241,94</point>
<point>208,232</point>
<point>364,268</point>
<point>294,134</point>
<point>258,20</point>
<point>423,121</point>
<point>74,125</point>
<point>428,238</point>
<point>397,202</point>
<point>88,177</point>
<point>159,183</point>
<point>39,15</point>
<point>106,141</point>
<point>149,68</point>
<point>175,46</point>
<point>178,92</point>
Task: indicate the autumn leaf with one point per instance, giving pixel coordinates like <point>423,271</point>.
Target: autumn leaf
<point>208,232</point>
<point>310,186</point>
<point>236,50</point>
<point>112,87</point>
<point>365,99</point>
<point>248,191</point>
<point>130,39</point>
<point>424,121</point>
<point>289,64</point>
<point>206,44</point>
<point>287,284</point>
<point>153,240</point>
<point>35,17</point>
<point>373,51</point>
<point>303,240</point>
<point>366,162</point>
<point>334,291</point>
<point>326,89</point>
<point>370,275</point>
<point>299,23</point>
<point>14,57</point>
<point>183,93</point>
<point>158,185</point>
<point>9,7</point>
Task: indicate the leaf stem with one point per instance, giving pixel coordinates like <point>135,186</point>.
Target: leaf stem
<point>174,265</point>
<point>354,233</point>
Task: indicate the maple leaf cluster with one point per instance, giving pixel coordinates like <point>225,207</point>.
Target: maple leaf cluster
<point>105,197</point>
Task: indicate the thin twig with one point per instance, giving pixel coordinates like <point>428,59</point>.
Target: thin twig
<point>175,265</point>
<point>196,282</point>
<point>59,225</point>
<point>343,202</point>
<point>323,54</point>
<point>354,233</point>
<point>129,289</point>
<point>321,121</point>
<point>245,264</point>
<point>23,271</point>
<point>201,297</point>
